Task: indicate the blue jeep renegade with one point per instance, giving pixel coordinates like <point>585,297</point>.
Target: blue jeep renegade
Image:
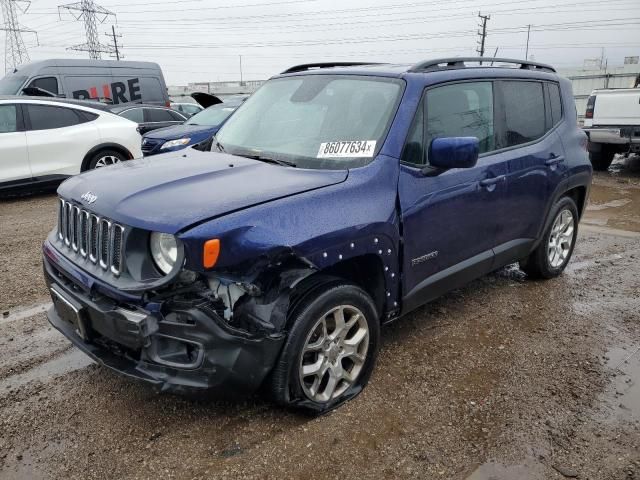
<point>338,197</point>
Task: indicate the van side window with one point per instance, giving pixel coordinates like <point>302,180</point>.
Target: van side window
<point>524,115</point>
<point>556,102</point>
<point>50,84</point>
<point>461,110</point>
<point>45,117</point>
<point>8,119</point>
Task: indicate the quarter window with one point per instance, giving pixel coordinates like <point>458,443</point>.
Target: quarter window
<point>461,110</point>
<point>8,119</point>
<point>556,103</point>
<point>176,116</point>
<point>524,116</point>
<point>414,147</point>
<point>45,117</point>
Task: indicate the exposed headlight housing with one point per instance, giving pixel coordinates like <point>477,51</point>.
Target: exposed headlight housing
<point>175,143</point>
<point>164,250</point>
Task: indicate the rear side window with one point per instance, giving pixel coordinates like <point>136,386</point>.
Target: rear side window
<point>461,110</point>
<point>158,115</point>
<point>45,117</point>
<point>135,115</point>
<point>524,116</point>
<point>50,84</point>
<point>8,118</point>
<point>555,103</point>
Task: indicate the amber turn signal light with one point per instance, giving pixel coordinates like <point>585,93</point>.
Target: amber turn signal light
<point>211,252</point>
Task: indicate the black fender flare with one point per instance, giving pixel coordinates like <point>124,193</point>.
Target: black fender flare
<point>565,186</point>
<point>104,146</point>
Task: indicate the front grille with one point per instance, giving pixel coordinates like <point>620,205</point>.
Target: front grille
<point>90,236</point>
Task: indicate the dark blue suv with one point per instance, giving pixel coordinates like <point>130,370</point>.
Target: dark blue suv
<point>338,197</point>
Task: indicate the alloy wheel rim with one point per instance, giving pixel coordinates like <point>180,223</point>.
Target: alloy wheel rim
<point>334,353</point>
<point>106,161</point>
<point>561,238</point>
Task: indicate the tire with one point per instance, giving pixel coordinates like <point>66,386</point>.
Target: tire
<point>312,393</point>
<point>547,260</point>
<point>601,160</point>
<point>104,158</point>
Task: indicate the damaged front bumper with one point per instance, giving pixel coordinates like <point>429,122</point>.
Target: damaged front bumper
<point>176,346</point>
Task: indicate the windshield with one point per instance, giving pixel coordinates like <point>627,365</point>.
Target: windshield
<point>314,121</point>
<point>212,116</point>
<point>11,84</point>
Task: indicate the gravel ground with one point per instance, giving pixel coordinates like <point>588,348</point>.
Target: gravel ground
<point>503,379</point>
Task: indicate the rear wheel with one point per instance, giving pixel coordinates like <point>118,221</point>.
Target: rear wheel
<point>553,253</point>
<point>601,160</point>
<point>331,349</point>
<point>104,158</point>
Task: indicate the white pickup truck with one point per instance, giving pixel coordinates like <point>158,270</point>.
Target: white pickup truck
<point>612,122</point>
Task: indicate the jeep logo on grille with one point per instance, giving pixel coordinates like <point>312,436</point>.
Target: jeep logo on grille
<point>89,197</point>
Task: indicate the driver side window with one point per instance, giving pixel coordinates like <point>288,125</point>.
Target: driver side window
<point>456,110</point>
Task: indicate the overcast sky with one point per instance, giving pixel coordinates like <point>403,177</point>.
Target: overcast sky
<point>202,40</point>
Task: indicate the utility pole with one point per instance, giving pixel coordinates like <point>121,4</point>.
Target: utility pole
<point>90,13</point>
<point>115,42</point>
<point>482,33</point>
<point>240,70</point>
<point>526,55</point>
<point>15,53</point>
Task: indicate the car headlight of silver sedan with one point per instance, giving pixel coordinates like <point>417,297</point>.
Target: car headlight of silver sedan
<point>164,251</point>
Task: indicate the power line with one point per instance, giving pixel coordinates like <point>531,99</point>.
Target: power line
<point>90,13</point>
<point>483,33</point>
<point>15,52</point>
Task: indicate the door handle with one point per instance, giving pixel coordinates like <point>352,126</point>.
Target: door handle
<point>554,160</point>
<point>492,181</point>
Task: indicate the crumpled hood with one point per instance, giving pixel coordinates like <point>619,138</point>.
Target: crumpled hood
<point>179,131</point>
<point>172,191</point>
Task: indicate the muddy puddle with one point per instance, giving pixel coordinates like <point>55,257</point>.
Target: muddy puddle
<point>614,200</point>
<point>621,401</point>
<point>67,362</point>
<point>21,313</point>
<point>528,470</point>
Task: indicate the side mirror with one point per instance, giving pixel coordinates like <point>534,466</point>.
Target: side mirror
<point>453,152</point>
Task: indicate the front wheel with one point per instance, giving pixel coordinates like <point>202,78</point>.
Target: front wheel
<point>553,253</point>
<point>331,349</point>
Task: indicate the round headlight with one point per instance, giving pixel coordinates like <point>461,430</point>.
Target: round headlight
<point>164,250</point>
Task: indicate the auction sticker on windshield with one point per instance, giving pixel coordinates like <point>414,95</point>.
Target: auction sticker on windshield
<point>348,148</point>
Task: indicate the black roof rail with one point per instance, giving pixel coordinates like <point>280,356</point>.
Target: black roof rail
<point>460,62</point>
<point>310,66</point>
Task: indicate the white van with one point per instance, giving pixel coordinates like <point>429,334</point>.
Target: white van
<point>112,81</point>
<point>612,122</point>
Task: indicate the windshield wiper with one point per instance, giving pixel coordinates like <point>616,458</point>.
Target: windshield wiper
<point>260,158</point>
<point>218,145</point>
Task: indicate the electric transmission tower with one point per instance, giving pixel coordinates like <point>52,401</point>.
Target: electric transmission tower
<point>482,33</point>
<point>91,14</point>
<point>15,53</point>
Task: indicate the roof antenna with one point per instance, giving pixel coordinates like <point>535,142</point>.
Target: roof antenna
<point>495,54</point>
